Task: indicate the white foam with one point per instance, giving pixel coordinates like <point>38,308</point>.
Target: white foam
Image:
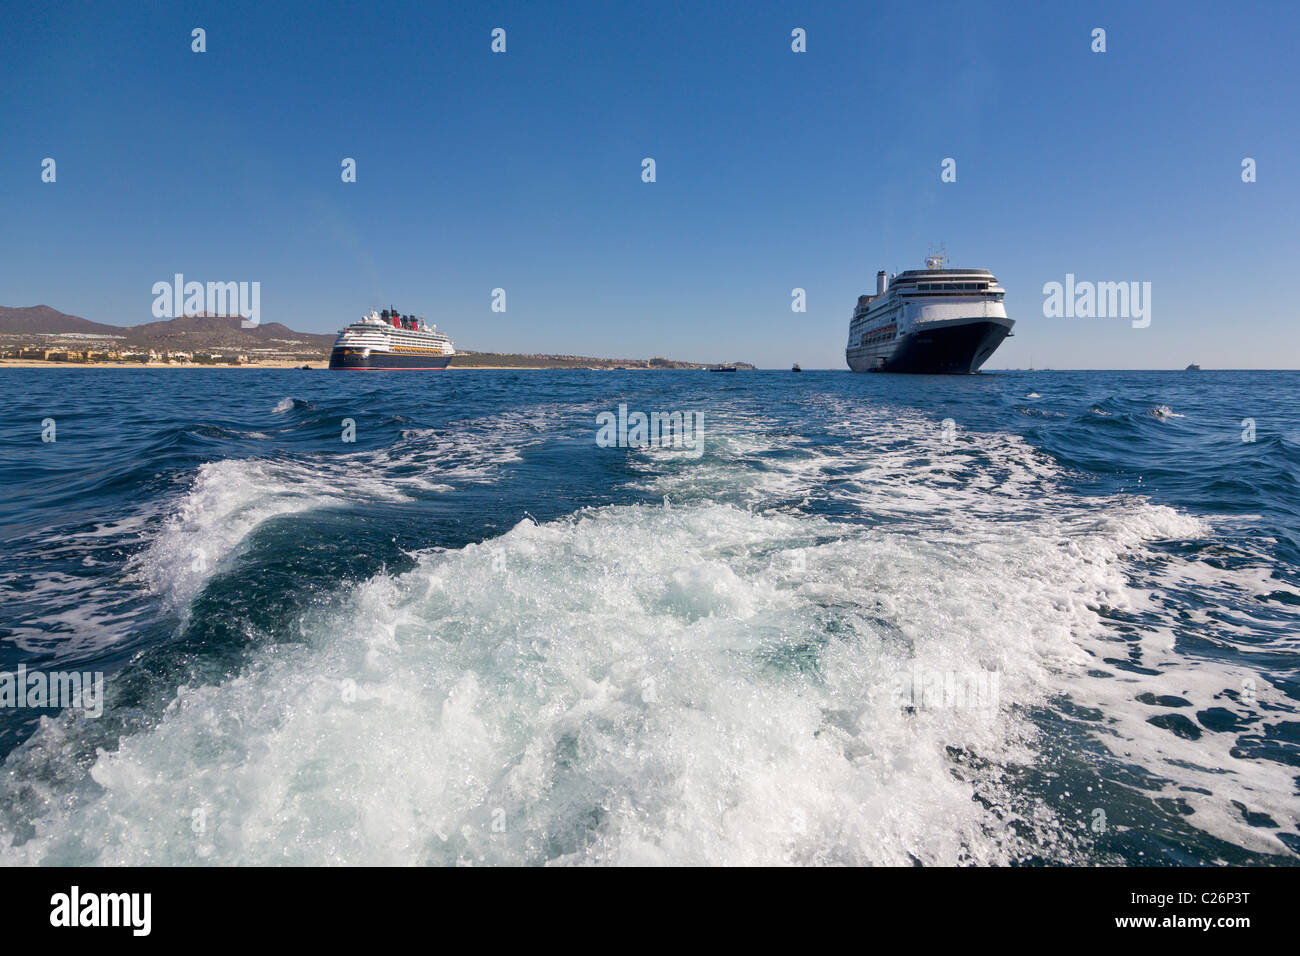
<point>230,498</point>
<point>631,685</point>
<point>695,683</point>
<point>611,691</point>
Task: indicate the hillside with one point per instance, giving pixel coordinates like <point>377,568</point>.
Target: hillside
<point>42,320</point>
<point>40,323</point>
<point>200,331</point>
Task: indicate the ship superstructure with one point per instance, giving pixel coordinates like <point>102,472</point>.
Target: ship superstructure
<point>933,320</point>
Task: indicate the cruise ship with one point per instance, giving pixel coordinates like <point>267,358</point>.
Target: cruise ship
<point>391,341</point>
<point>933,320</point>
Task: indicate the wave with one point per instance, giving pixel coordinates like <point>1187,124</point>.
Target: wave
<point>714,680</point>
<point>630,685</point>
<point>231,498</point>
<point>291,404</point>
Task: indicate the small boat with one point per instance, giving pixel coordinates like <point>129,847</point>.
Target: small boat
<point>796,368</point>
<point>1192,368</point>
<point>723,368</point>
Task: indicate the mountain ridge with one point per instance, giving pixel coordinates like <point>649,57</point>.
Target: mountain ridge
<point>187,331</point>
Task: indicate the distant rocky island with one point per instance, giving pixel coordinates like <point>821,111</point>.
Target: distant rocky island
<point>42,335</point>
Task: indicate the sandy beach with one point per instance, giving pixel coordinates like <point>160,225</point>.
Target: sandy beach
<point>28,363</point>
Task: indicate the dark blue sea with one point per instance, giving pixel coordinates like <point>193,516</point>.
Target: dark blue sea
<point>1019,617</point>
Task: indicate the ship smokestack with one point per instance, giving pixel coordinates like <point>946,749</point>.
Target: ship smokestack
<point>881,284</point>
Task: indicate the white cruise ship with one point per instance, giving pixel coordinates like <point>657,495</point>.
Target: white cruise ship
<point>933,320</point>
<point>391,341</point>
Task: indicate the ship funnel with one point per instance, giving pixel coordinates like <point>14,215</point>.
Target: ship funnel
<point>881,284</point>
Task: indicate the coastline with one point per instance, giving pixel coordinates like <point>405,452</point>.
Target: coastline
<point>319,365</point>
<point>36,363</point>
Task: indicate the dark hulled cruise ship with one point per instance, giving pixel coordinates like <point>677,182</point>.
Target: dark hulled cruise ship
<point>391,341</point>
<point>932,321</point>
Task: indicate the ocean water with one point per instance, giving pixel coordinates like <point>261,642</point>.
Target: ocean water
<point>1020,617</point>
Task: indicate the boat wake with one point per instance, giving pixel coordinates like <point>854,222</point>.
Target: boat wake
<point>773,666</point>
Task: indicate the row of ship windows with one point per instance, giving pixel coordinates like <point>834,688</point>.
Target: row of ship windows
<point>400,333</point>
<point>380,340</point>
<point>876,316</point>
<point>951,286</point>
<point>883,335</point>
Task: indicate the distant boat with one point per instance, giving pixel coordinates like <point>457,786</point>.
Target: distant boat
<point>1192,368</point>
<point>796,368</point>
<point>723,368</point>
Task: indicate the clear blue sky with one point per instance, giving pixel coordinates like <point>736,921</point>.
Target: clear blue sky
<point>775,169</point>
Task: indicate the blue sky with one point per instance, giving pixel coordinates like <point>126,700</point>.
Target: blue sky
<point>775,169</point>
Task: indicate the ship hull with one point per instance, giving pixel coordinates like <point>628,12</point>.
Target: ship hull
<point>956,347</point>
<point>356,360</point>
